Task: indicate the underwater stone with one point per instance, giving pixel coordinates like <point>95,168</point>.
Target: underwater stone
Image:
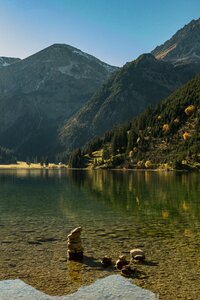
<point>121,262</point>
<point>137,252</point>
<point>106,261</point>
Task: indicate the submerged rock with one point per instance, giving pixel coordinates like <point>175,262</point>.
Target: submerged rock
<point>139,257</point>
<point>72,255</point>
<point>127,271</point>
<point>137,254</point>
<point>121,262</point>
<point>76,230</point>
<point>106,261</point>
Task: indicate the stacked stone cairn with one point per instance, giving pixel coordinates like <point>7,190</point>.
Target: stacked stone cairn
<point>75,249</point>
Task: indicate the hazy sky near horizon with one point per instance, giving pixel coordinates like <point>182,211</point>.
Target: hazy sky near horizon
<point>115,31</point>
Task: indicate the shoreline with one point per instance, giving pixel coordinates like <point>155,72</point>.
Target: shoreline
<point>54,167</point>
<point>33,166</point>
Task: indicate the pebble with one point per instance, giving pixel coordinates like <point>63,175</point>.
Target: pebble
<point>137,254</point>
<point>121,262</point>
<point>106,261</point>
<point>126,271</point>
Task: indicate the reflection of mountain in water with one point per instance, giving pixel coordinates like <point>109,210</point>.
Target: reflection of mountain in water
<point>117,210</point>
<point>141,194</point>
<point>171,195</point>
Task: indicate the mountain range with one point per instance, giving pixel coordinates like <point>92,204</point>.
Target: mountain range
<point>166,136</point>
<point>183,47</point>
<point>128,92</point>
<point>141,83</point>
<point>39,93</point>
<point>60,98</point>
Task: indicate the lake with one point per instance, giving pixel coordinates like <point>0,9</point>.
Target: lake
<point>117,210</point>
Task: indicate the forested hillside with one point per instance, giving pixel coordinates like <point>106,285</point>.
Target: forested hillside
<point>6,156</point>
<point>168,134</point>
<point>130,90</point>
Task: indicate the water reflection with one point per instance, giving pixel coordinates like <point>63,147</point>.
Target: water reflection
<point>117,210</point>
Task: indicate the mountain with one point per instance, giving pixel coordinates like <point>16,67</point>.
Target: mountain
<point>168,134</point>
<point>39,93</point>
<point>129,91</point>
<point>6,61</point>
<point>6,156</point>
<point>183,47</point>
<point>137,85</point>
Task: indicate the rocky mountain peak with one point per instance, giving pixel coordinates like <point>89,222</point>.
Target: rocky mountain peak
<point>69,57</point>
<point>183,47</point>
<point>39,93</point>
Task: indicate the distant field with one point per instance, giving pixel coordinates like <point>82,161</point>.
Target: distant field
<point>24,165</point>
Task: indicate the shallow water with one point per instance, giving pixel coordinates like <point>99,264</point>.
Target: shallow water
<point>159,212</point>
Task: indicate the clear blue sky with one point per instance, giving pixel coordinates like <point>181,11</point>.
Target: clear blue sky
<point>116,31</point>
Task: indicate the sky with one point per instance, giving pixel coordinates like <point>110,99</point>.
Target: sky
<point>115,31</point>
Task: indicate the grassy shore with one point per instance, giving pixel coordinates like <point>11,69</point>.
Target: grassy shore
<point>24,165</point>
<point>91,166</point>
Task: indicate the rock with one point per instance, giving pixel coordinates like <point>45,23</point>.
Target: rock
<point>137,253</point>
<point>73,249</point>
<point>74,245</point>
<point>122,257</point>
<point>126,271</point>
<point>74,242</point>
<point>72,255</point>
<point>106,261</point>
<point>139,257</point>
<point>76,230</point>
<point>74,236</point>
<point>121,262</point>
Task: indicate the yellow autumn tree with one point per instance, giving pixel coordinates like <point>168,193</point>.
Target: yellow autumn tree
<point>176,121</point>
<point>189,110</point>
<point>166,128</point>
<point>148,164</point>
<point>130,154</point>
<point>186,136</point>
<point>140,163</point>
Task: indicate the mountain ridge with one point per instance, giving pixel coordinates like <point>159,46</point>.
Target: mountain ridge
<point>183,47</point>
<point>117,102</point>
<point>166,136</point>
<point>61,97</point>
<point>130,90</point>
<point>43,90</point>
<point>6,61</point>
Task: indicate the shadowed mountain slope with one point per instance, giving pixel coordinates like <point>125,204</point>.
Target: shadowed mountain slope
<point>128,92</point>
<point>183,47</point>
<point>168,134</point>
<point>39,93</point>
